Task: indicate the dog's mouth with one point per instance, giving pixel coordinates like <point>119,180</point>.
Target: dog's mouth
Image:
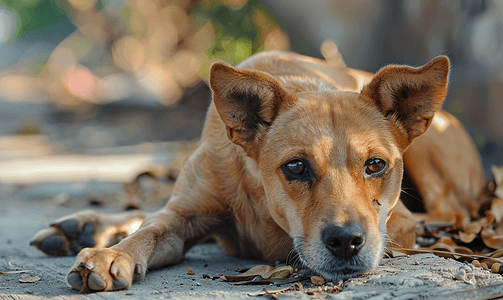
<point>331,267</point>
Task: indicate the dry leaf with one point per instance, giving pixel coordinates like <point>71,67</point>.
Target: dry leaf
<point>258,280</point>
<point>15,272</point>
<point>28,279</point>
<point>265,292</point>
<point>466,237</point>
<point>279,272</point>
<point>497,209</point>
<point>477,225</point>
<point>260,270</point>
<point>496,254</point>
<point>317,280</point>
<point>445,240</point>
<point>446,254</point>
<point>491,239</point>
<point>264,271</point>
<point>498,178</point>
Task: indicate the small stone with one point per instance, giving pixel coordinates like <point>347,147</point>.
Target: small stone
<point>496,267</point>
<point>484,266</point>
<point>190,272</point>
<point>476,263</point>
<point>317,280</point>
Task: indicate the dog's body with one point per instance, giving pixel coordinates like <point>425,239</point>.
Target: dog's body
<point>294,155</point>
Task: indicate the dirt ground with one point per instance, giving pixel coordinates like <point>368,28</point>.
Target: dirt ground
<point>24,211</point>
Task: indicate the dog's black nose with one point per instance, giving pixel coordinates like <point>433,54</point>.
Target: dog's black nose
<point>344,241</point>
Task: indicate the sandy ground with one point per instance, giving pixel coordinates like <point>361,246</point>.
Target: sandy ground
<point>22,214</point>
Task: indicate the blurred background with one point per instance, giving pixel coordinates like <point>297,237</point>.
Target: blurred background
<point>98,90</point>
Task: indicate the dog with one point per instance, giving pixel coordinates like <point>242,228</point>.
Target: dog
<point>299,153</point>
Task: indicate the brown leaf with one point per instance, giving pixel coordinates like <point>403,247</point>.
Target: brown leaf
<point>477,225</point>
<point>496,254</point>
<point>260,270</point>
<point>279,272</point>
<point>446,254</point>
<point>258,280</point>
<point>498,178</point>
<point>445,240</point>
<point>466,237</point>
<point>497,209</point>
<point>265,292</point>
<point>263,274</point>
<point>491,239</point>
<point>317,280</point>
<point>15,272</point>
<point>28,279</point>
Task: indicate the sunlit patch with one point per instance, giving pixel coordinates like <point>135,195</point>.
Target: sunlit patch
<point>81,83</point>
<point>440,122</point>
<point>82,4</point>
<point>133,226</point>
<point>7,25</point>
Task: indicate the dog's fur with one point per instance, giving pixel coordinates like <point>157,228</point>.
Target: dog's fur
<point>296,155</point>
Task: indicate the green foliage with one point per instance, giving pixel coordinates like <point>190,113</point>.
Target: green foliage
<point>238,34</point>
<point>40,17</point>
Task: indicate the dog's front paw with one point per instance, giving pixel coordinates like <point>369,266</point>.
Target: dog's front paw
<point>103,269</point>
<point>68,235</point>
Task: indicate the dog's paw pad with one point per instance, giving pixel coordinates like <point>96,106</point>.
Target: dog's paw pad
<point>95,282</point>
<point>65,237</point>
<point>101,269</point>
<point>120,283</point>
<point>74,250</point>
<point>52,242</point>
<point>85,238</point>
<point>75,280</point>
<point>70,226</point>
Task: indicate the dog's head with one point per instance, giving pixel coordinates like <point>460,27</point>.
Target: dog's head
<point>331,161</point>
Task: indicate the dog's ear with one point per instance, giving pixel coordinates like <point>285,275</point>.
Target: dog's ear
<point>409,97</point>
<point>247,102</point>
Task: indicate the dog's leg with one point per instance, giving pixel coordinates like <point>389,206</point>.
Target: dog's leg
<point>446,168</point>
<point>163,239</point>
<point>70,234</point>
<point>401,227</point>
<point>192,214</point>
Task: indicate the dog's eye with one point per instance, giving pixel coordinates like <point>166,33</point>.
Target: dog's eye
<point>296,167</point>
<point>375,166</point>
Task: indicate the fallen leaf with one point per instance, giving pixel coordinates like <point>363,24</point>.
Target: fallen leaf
<point>279,272</point>
<point>466,237</point>
<point>496,254</point>
<point>259,270</point>
<point>448,254</point>
<point>263,271</point>
<point>498,178</point>
<point>258,280</point>
<point>15,272</point>
<point>317,280</point>
<point>28,279</point>
<point>265,292</point>
<point>491,239</point>
<point>497,209</point>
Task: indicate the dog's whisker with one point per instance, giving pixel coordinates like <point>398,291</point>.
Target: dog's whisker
<point>412,196</point>
<point>393,242</point>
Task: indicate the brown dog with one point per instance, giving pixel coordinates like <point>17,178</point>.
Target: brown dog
<point>299,152</point>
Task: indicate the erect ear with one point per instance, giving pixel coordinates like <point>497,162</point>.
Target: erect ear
<point>409,97</point>
<point>247,102</point>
